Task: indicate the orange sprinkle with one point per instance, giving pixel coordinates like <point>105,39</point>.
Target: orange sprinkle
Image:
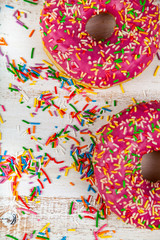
<point>50,113</point>
<point>3,42</point>
<point>47,233</point>
<point>84,202</point>
<point>46,163</point>
<point>31,33</point>
<point>34,128</point>
<point>23,59</point>
<point>13,62</point>
<point>72,183</point>
<point>74,139</point>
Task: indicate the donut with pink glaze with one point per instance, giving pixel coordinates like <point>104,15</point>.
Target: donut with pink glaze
<point>117,164</point>
<point>104,63</point>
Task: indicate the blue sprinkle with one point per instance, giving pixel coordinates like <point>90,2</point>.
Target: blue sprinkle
<point>39,191</point>
<point>34,123</point>
<point>58,176</point>
<point>40,233</point>
<point>94,100</point>
<point>93,190</point>
<point>78,200</point>
<point>45,180</point>
<point>89,187</point>
<point>64,238</point>
<point>49,229</point>
<point>81,169</point>
<point>5,152</point>
<point>106,109</point>
<point>8,6</point>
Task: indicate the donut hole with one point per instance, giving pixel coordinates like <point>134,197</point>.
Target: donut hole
<point>101,26</point>
<point>151,166</point>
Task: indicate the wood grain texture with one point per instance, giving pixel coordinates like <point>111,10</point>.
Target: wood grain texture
<point>55,201</point>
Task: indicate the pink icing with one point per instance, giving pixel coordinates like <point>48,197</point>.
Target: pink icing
<point>118,153</point>
<point>121,57</point>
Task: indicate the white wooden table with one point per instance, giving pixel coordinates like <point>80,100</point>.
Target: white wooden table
<point>56,198</point>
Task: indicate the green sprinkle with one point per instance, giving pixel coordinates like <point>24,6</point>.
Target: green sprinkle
<point>108,2</point>
<point>25,26</point>
<point>30,2</point>
<point>11,237</point>
<point>118,60</point>
<point>109,132</point>
<point>141,29</point>
<point>76,127</point>
<point>92,141</point>
<point>110,151</point>
<point>124,183</point>
<point>80,216</point>
<point>150,226</point>
<point>124,26</point>
<point>32,52</point>
<point>125,196</point>
<point>46,108</point>
<point>55,47</point>
<point>70,210</point>
<point>68,4</point>
<point>123,209</point>
<point>97,218</point>
<point>75,160</point>
<point>79,19</point>
<point>45,33</point>
<point>73,107</point>
<point>13,89</point>
<point>117,80</point>
<point>25,121</point>
<point>40,236</point>
<point>134,200</point>
<point>90,49</point>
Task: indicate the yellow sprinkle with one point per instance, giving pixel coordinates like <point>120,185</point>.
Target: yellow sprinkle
<point>156,71</point>
<point>108,117</point>
<point>44,227</point>
<point>49,64</point>
<point>136,42</point>
<point>34,138</point>
<point>122,89</point>
<point>35,102</point>
<point>111,202</point>
<point>0,136</point>
<point>59,111</point>
<point>71,229</point>
<point>89,91</point>
<point>10,85</point>
<point>78,56</point>
<point>66,172</point>
<point>41,77</point>
<point>105,236</point>
<point>133,100</point>
<point>32,115</point>
<point>26,199</point>
<point>1,120</point>
<point>21,98</point>
<point>31,154</point>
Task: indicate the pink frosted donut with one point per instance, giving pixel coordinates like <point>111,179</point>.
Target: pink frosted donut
<point>100,64</point>
<point>129,135</point>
